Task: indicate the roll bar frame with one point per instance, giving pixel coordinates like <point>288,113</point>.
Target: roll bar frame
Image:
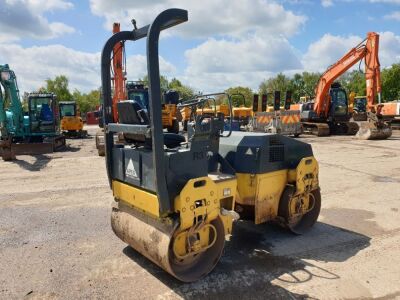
<point>166,19</point>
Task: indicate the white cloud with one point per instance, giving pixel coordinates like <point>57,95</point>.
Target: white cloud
<point>136,66</point>
<point>218,82</point>
<point>212,66</point>
<point>327,3</point>
<point>389,48</point>
<point>393,16</point>
<point>208,17</point>
<point>253,54</point>
<point>25,19</point>
<point>327,50</point>
<point>34,65</point>
<point>239,62</point>
<point>246,40</point>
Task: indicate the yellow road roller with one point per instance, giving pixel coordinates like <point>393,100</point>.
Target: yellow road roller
<point>176,197</point>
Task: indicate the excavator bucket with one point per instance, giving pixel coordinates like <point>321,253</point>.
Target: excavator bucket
<point>49,145</point>
<point>374,128</point>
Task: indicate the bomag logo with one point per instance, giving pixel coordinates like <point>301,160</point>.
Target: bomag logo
<point>130,170</point>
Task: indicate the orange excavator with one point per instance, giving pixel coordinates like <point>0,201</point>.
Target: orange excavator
<point>329,113</point>
<point>119,86</point>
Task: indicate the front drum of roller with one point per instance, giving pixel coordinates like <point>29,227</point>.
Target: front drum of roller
<point>154,239</point>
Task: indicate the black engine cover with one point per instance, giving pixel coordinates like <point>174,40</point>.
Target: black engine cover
<point>259,153</point>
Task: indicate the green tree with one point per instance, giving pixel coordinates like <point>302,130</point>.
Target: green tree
<point>310,83</point>
<point>304,85</point>
<point>59,86</point>
<point>163,82</point>
<point>87,102</point>
<point>185,92</point>
<point>354,82</point>
<point>280,83</point>
<point>391,83</point>
<point>238,100</point>
<point>298,86</point>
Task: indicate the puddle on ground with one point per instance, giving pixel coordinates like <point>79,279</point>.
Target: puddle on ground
<point>357,220</point>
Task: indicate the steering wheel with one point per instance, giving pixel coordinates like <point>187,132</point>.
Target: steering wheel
<point>204,98</point>
<point>192,102</point>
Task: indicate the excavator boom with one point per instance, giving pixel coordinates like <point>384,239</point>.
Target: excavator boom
<point>372,71</point>
<point>367,49</point>
<point>118,79</point>
<point>119,73</point>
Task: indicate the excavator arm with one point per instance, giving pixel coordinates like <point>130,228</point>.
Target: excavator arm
<point>8,81</point>
<point>118,79</point>
<point>367,49</point>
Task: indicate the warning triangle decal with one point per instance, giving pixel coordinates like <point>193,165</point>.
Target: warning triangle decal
<point>130,170</point>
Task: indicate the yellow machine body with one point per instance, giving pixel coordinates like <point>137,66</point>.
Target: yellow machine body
<point>203,200</point>
<point>213,193</point>
<point>71,123</point>
<point>200,205</point>
<point>221,108</point>
<point>264,191</point>
<point>242,112</point>
<point>168,114</point>
<point>352,97</point>
<point>185,112</point>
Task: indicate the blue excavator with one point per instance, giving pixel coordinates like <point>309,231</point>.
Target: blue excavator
<point>35,131</point>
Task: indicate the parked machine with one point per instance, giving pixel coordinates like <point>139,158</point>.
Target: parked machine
<point>71,121</point>
<point>138,91</point>
<point>236,119</point>
<point>33,132</point>
<point>171,115</point>
<point>357,107</point>
<point>185,113</point>
<point>391,113</point>
<point>176,198</point>
<point>328,113</point>
<point>280,120</point>
<point>241,115</point>
<point>209,107</point>
<point>92,117</point>
<point>338,120</point>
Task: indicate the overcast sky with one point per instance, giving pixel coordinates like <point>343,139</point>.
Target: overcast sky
<point>224,43</point>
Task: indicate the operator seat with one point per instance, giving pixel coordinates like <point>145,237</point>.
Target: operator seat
<point>46,115</point>
<point>132,112</point>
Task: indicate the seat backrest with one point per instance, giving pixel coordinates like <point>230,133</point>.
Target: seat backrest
<point>131,112</point>
<point>171,97</point>
<point>46,113</point>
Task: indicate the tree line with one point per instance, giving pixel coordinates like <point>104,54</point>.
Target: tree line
<point>304,84</point>
<point>91,100</point>
<point>300,84</point>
